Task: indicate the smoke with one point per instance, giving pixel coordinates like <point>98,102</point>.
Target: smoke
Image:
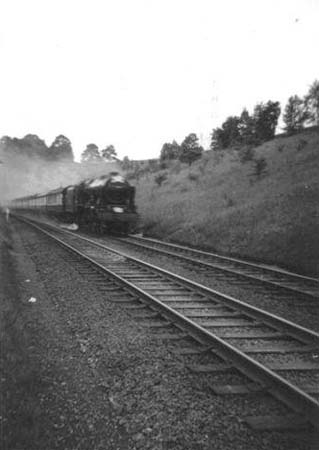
<point>21,175</point>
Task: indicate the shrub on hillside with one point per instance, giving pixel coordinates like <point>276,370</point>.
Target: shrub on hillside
<point>218,157</point>
<point>160,178</point>
<point>229,202</point>
<point>203,164</point>
<point>152,166</point>
<point>202,168</point>
<point>163,165</point>
<point>301,144</point>
<point>246,153</point>
<point>193,176</point>
<point>176,167</point>
<point>138,169</point>
<point>260,166</point>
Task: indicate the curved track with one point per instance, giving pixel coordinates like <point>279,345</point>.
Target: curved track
<point>269,276</point>
<point>277,354</point>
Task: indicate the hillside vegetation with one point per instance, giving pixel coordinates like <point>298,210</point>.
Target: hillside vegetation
<point>262,206</point>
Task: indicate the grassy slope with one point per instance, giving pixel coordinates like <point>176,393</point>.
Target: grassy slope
<point>219,203</point>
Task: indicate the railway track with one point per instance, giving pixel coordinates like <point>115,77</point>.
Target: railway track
<point>274,354</point>
<point>231,267</point>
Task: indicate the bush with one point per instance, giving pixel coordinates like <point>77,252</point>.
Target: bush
<point>246,154</point>
<point>151,167</point>
<point>203,164</point>
<point>301,144</point>
<point>218,157</point>
<point>164,165</point>
<point>229,201</point>
<point>260,167</point>
<point>193,176</point>
<point>176,167</point>
<point>160,178</point>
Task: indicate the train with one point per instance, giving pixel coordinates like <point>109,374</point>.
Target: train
<point>102,204</point>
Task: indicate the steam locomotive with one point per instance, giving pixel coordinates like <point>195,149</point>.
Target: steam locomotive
<point>100,204</point>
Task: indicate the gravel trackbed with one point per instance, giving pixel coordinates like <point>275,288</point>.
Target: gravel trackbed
<point>79,373</point>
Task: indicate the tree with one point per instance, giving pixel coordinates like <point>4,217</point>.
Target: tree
<point>231,131</point>
<point>33,145</point>
<point>109,153</point>
<point>294,115</point>
<point>30,146</point>
<point>126,163</point>
<point>227,135</point>
<point>190,149</point>
<point>312,103</point>
<point>246,127</point>
<point>170,151</point>
<point>61,148</point>
<point>91,154</point>
<point>216,142</point>
<point>265,120</point>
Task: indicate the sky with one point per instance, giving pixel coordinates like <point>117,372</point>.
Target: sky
<point>139,73</point>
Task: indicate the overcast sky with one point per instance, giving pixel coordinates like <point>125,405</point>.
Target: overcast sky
<point>138,73</point>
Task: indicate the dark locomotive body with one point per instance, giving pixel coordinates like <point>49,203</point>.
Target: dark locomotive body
<point>100,204</point>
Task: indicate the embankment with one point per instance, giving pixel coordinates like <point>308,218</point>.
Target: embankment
<point>269,214</point>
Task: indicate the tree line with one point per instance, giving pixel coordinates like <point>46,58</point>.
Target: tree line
<point>251,129</point>
<point>32,146</point>
<point>260,126</point>
<point>236,131</point>
<point>93,154</point>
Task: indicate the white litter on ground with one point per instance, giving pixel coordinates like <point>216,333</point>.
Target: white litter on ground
<point>32,300</point>
<point>71,227</point>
